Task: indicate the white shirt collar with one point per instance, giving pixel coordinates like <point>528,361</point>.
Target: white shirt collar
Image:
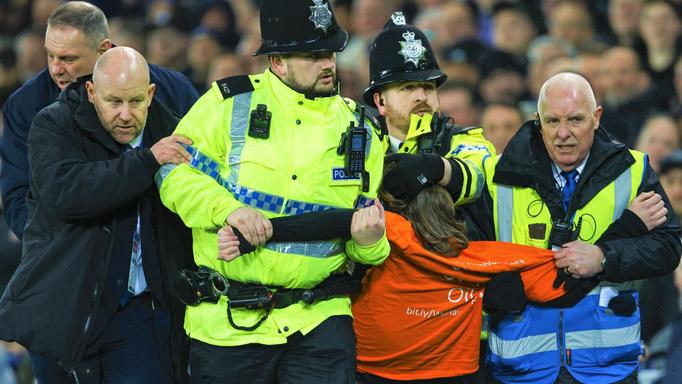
<point>137,141</point>
<point>556,171</point>
<point>395,144</point>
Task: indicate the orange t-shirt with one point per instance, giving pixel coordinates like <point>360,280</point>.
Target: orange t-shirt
<point>419,314</point>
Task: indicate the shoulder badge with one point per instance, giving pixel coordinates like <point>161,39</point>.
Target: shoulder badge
<point>412,50</point>
<point>320,15</point>
<point>234,85</point>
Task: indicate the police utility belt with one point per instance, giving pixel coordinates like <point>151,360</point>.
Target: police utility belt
<point>207,285</point>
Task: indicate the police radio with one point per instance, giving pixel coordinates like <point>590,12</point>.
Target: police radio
<point>562,232</point>
<point>259,123</point>
<point>435,141</point>
<point>353,145</point>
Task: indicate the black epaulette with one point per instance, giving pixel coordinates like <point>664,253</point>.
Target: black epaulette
<point>235,85</point>
<point>372,114</point>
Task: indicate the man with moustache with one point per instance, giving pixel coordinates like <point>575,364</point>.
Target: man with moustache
<point>77,34</point>
<point>275,144</point>
<point>92,298</point>
<point>404,77</point>
<point>562,177</point>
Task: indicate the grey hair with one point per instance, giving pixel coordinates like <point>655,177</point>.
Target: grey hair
<point>83,16</point>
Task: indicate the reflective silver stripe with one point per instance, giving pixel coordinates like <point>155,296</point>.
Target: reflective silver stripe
<point>605,338</point>
<point>295,207</point>
<point>318,249</point>
<point>505,209</point>
<point>240,121</point>
<point>480,179</point>
<point>509,349</point>
<point>621,191</point>
<point>162,173</point>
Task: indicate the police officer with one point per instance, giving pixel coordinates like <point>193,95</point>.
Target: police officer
<point>404,77</point>
<point>282,142</point>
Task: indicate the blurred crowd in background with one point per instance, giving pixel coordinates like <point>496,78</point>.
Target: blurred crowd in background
<point>496,54</point>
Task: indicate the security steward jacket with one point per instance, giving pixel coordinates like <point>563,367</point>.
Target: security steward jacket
<point>591,341</point>
<point>296,169</point>
<point>79,180</point>
<point>467,149</point>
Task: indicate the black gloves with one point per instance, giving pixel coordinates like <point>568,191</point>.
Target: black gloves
<point>623,304</point>
<point>504,294</point>
<point>244,246</point>
<point>411,174</point>
<point>575,289</point>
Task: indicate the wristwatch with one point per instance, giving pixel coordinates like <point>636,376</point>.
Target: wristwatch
<point>603,263</point>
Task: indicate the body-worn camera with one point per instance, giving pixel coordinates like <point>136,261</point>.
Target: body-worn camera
<point>195,287</point>
<point>428,142</point>
<point>259,123</point>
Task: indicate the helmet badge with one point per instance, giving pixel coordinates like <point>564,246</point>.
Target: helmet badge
<point>320,15</point>
<point>412,50</point>
<point>398,18</point>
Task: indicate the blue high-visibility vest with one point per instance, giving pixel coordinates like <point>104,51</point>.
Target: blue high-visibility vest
<point>589,340</point>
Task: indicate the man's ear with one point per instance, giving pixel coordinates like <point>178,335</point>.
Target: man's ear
<point>90,88</point>
<point>150,93</point>
<point>278,65</point>
<point>597,116</point>
<point>379,102</point>
<point>104,46</point>
<point>537,122</point>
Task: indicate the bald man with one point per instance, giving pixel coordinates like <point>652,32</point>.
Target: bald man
<point>91,298</point>
<point>558,171</point>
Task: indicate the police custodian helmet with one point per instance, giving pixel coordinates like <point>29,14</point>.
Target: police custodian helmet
<point>289,26</point>
<point>400,53</point>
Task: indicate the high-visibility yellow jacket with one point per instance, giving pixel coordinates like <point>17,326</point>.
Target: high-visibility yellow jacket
<point>469,148</point>
<point>295,170</point>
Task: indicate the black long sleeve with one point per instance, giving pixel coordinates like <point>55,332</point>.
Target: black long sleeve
<point>323,225</point>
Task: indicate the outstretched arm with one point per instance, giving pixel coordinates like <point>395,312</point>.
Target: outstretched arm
<point>327,225</point>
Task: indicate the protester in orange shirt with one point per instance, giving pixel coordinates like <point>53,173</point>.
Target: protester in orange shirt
<point>418,317</point>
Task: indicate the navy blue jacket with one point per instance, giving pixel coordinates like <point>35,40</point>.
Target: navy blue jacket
<point>172,89</point>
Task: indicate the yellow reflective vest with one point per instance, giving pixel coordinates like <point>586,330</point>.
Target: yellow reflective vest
<point>295,170</point>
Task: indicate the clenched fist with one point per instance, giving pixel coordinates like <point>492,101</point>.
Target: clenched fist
<point>367,225</point>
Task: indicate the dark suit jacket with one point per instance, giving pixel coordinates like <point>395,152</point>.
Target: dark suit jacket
<point>80,182</point>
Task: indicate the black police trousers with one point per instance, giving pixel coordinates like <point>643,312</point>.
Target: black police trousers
<point>325,355</point>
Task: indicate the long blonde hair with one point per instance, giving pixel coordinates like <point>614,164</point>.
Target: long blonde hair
<point>433,217</point>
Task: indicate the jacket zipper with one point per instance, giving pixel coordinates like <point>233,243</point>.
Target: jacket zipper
<point>561,336</point>
<point>93,307</point>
